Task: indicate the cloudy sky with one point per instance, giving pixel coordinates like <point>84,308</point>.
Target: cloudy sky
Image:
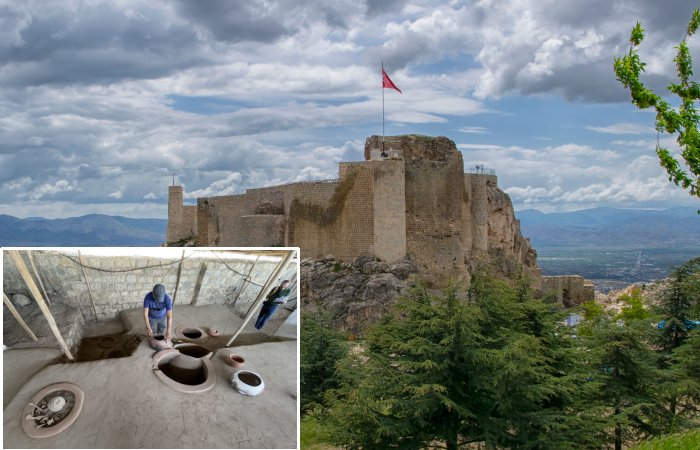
<point>102,101</point>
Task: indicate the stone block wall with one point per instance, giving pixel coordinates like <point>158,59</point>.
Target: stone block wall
<point>334,218</point>
<point>121,282</point>
<point>262,230</point>
<point>354,232</point>
<point>389,210</point>
<point>302,230</point>
<point>182,219</point>
<point>569,290</point>
<point>434,215</point>
<point>479,212</point>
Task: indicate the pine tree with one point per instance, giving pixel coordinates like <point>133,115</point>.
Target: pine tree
<point>622,378</point>
<point>450,371</point>
<point>321,349</point>
<point>678,306</point>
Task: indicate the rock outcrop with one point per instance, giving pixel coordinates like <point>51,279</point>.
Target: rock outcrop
<point>354,295</point>
<point>504,229</point>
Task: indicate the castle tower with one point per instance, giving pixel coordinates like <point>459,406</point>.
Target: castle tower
<point>181,218</point>
<point>480,213</point>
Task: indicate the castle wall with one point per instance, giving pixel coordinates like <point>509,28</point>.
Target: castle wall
<point>355,226</point>
<point>261,230</point>
<point>569,290</point>
<point>389,210</point>
<point>479,212</point>
<point>242,220</point>
<point>182,223</point>
<point>335,218</point>
<point>467,230</point>
<point>308,209</point>
<point>422,205</point>
<point>434,216</point>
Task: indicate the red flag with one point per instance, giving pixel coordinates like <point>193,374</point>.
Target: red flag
<point>387,83</point>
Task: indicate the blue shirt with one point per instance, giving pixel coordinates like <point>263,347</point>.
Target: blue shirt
<point>156,310</point>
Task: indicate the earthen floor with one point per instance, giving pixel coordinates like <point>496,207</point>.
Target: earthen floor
<point>127,406</point>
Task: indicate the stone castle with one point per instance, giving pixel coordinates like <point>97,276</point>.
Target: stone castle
<point>412,199</point>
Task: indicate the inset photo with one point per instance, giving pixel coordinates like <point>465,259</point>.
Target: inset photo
<point>150,347</point>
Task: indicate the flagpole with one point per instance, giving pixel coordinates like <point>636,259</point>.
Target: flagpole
<point>382,106</point>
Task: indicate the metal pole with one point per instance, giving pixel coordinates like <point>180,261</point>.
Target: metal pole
<point>281,267</point>
<point>382,106</point>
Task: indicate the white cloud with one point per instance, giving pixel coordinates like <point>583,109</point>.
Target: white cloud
<point>623,128</point>
<point>225,186</point>
<point>117,194</point>
<point>19,183</point>
<point>94,115</point>
<point>49,190</point>
<point>473,130</point>
<point>478,146</point>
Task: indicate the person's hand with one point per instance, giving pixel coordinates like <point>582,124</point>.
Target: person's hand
<point>149,332</point>
<point>167,335</point>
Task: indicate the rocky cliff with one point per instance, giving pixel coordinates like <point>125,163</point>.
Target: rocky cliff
<point>354,295</point>
<point>504,232</point>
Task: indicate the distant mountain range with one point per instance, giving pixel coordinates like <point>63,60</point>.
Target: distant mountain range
<point>94,230</point>
<point>594,228</point>
<point>612,228</point>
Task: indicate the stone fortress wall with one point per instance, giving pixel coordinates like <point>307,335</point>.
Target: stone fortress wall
<point>416,202</point>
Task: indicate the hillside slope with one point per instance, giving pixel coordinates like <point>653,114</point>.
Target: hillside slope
<point>91,230</point>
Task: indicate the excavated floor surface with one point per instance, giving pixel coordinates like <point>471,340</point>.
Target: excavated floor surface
<point>127,406</point>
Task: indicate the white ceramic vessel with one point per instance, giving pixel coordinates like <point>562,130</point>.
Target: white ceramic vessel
<point>247,383</point>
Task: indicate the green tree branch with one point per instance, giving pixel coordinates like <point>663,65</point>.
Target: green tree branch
<point>682,121</point>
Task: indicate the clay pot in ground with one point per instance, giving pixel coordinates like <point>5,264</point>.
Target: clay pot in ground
<point>158,342</point>
<point>213,332</point>
<point>247,383</point>
<point>235,360</point>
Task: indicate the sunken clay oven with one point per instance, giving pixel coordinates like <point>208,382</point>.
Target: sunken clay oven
<point>190,333</point>
<point>184,373</point>
<point>52,410</point>
<point>193,350</point>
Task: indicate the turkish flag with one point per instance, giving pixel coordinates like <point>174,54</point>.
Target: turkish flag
<point>387,83</point>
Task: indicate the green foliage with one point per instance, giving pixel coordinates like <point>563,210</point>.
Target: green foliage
<point>683,121</point>
<point>684,441</point>
<point>592,311</point>
<point>313,433</point>
<point>443,369</point>
<point>623,370</point>
<point>501,370</point>
<point>633,307</point>
<point>321,348</point>
<point>680,303</point>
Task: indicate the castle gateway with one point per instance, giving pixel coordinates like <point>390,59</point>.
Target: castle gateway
<point>414,199</point>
